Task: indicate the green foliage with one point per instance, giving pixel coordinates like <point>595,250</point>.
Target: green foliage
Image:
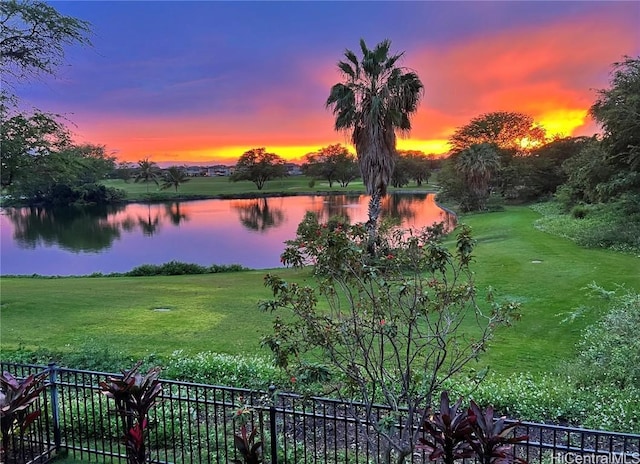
<point>411,164</point>
<point>617,110</point>
<point>466,176</point>
<point>41,165</point>
<point>579,211</point>
<point>174,176</point>
<point>613,225</point>
<point>259,166</point>
<point>333,163</point>
<point>33,37</point>
<point>179,268</point>
<point>224,369</point>
<point>554,398</point>
<point>505,130</point>
<point>395,324</point>
<point>609,351</point>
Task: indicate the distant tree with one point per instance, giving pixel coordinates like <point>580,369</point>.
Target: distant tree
<point>124,171</point>
<point>401,172</point>
<point>347,172</point>
<point>418,165</point>
<point>331,163</point>
<point>376,98</point>
<point>174,176</point>
<point>540,174</point>
<point>476,165</point>
<point>328,163</point>
<point>258,166</point>
<point>506,130</point>
<point>33,36</point>
<point>617,110</point>
<point>147,171</point>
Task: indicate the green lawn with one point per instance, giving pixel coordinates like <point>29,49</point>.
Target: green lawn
<point>222,186</point>
<point>218,312</point>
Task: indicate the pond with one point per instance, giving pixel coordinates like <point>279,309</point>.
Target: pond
<point>250,232</point>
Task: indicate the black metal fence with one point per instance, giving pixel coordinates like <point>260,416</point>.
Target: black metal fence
<point>194,424</point>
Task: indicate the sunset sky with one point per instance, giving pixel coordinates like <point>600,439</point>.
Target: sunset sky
<point>202,82</point>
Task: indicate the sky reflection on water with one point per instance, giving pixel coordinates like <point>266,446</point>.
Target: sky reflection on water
<point>250,232</point>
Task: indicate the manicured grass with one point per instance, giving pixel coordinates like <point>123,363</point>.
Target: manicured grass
<point>221,186</point>
<point>218,312</point>
<point>548,275</point>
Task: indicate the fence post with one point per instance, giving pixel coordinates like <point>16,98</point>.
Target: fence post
<point>272,424</point>
<point>55,404</point>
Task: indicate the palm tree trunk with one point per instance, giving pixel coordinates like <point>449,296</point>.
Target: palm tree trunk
<point>372,223</point>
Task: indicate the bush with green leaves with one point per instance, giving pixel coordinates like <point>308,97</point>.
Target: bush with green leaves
<point>395,320</point>
<point>609,350</point>
<point>615,226</point>
<point>554,398</point>
<point>179,268</point>
<point>224,369</point>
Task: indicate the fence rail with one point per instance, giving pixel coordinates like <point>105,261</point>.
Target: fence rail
<point>193,425</point>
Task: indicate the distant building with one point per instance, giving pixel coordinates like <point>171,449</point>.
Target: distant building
<point>195,171</point>
<point>219,170</point>
<point>293,169</point>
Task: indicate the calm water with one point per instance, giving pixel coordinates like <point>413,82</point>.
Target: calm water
<point>250,232</point>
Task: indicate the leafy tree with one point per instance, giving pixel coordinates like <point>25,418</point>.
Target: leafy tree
<point>376,98</point>
<point>258,166</point>
<point>476,165</point>
<point>401,172</point>
<point>333,163</point>
<point>147,171</point>
<point>33,36</point>
<point>394,325</point>
<point>413,164</point>
<point>25,140</point>
<point>541,173</point>
<point>174,176</point>
<point>506,130</point>
<point>617,110</point>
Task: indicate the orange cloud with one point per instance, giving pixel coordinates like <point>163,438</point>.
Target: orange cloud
<point>546,70</point>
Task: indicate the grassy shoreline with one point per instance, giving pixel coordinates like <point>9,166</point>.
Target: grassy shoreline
<point>218,312</point>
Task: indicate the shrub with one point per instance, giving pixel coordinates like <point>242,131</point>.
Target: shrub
<point>609,350</point>
<point>579,211</point>
<point>179,268</point>
<point>224,369</point>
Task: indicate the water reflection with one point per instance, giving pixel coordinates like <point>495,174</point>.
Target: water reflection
<point>118,238</point>
<point>258,214</point>
<point>175,215</point>
<point>76,229</point>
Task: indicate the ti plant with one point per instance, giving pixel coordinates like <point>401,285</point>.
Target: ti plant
<point>492,437</point>
<point>447,433</point>
<point>245,441</point>
<point>16,398</point>
<point>135,394</point>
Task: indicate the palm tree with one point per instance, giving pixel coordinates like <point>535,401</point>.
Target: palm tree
<point>147,171</point>
<point>376,99</point>
<point>173,177</point>
<point>475,165</point>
